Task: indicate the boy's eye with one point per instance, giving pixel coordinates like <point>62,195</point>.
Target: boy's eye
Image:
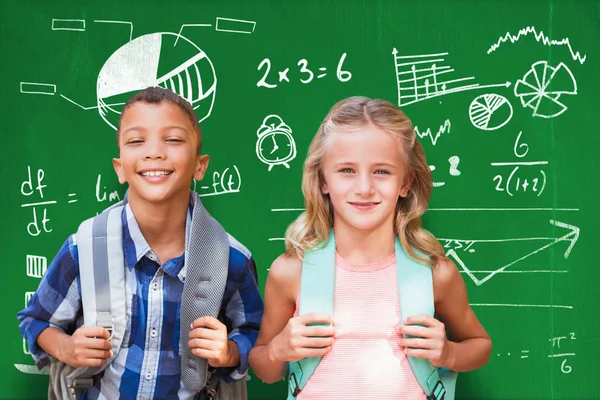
<point>174,140</point>
<point>134,141</point>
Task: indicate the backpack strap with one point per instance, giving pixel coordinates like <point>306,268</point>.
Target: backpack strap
<point>316,295</point>
<point>207,266</point>
<point>415,290</point>
<point>102,278</point>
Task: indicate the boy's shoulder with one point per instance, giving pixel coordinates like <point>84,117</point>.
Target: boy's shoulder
<point>238,247</point>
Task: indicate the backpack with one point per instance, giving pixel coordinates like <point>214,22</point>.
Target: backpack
<point>415,290</point>
<point>102,277</point>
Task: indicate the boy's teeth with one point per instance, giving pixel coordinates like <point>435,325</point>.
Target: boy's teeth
<point>155,173</point>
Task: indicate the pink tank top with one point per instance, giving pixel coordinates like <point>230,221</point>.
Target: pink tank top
<point>365,361</point>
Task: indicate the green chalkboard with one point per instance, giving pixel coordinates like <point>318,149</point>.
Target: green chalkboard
<point>503,95</point>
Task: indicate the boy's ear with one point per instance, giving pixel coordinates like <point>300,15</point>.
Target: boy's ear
<point>119,170</point>
<point>202,161</point>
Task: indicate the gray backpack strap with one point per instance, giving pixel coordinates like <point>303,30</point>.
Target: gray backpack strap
<point>415,290</point>
<point>102,278</point>
<point>207,265</point>
<point>317,288</point>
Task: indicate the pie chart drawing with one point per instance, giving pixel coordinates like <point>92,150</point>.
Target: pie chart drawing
<point>489,112</point>
<point>542,87</point>
<point>160,59</point>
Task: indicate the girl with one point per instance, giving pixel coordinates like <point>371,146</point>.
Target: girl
<point>365,178</point>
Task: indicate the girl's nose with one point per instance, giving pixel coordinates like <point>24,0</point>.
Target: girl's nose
<point>364,186</point>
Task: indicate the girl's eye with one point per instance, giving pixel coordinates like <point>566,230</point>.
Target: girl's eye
<point>174,140</point>
<point>382,172</point>
<point>134,141</point>
<point>346,170</point>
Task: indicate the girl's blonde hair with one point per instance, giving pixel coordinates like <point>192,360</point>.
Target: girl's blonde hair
<point>312,227</point>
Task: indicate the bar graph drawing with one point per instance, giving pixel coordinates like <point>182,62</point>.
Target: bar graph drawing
<point>422,77</point>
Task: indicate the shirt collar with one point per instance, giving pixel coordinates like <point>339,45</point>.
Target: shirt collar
<point>135,246</point>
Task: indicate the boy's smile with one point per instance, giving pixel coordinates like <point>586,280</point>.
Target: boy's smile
<point>158,152</point>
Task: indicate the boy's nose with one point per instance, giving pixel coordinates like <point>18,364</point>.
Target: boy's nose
<point>154,149</point>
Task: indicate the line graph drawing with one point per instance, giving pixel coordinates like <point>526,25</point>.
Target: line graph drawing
<point>489,112</point>
<point>153,60</point>
<point>445,128</point>
<point>538,37</point>
<point>571,236</point>
<point>418,78</point>
<point>542,86</point>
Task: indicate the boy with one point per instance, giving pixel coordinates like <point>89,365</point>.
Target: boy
<point>159,143</point>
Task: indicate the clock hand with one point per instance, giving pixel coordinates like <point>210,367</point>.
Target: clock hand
<point>275,144</point>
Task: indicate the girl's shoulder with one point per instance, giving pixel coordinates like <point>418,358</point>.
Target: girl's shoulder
<point>285,274</point>
<point>446,279</point>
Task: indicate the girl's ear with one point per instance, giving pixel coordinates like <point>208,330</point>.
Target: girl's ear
<point>324,188</point>
<point>405,188</point>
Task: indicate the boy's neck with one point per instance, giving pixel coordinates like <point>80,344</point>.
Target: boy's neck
<point>163,225</point>
<point>364,247</point>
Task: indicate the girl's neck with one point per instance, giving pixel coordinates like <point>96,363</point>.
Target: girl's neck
<point>364,247</point>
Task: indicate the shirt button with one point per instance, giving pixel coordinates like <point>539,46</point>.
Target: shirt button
<point>153,333</point>
<point>155,286</point>
<point>148,376</point>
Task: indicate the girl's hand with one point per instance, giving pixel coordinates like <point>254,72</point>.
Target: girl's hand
<point>430,343</point>
<point>299,339</point>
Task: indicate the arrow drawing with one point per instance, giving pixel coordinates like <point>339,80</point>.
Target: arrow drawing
<point>571,236</point>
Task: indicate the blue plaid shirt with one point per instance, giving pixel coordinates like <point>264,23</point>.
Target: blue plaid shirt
<point>148,364</point>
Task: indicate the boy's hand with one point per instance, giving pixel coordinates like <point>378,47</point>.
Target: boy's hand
<point>299,339</point>
<point>87,347</point>
<point>431,342</point>
<point>208,339</point>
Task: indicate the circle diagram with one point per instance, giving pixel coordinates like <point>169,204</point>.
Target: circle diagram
<point>160,59</point>
<point>489,112</point>
<point>542,86</point>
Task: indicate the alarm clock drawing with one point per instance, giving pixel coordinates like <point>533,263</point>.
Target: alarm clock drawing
<point>275,144</point>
